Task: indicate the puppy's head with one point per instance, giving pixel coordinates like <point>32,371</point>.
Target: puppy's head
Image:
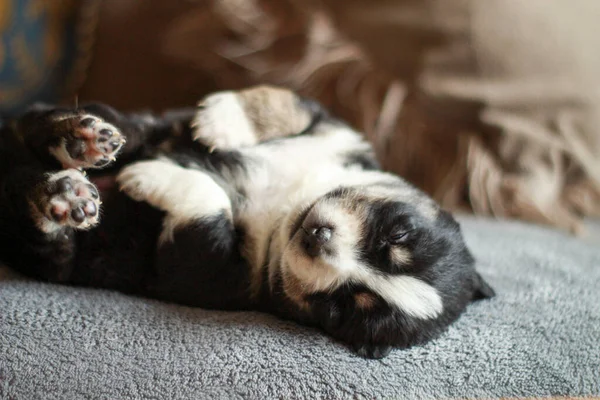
<point>378,267</point>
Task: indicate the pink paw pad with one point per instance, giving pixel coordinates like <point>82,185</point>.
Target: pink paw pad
<point>91,143</point>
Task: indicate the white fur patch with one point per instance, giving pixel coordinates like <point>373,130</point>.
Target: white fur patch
<point>185,194</point>
<point>328,272</point>
<point>282,179</point>
<point>222,122</point>
<point>345,237</point>
<point>411,295</point>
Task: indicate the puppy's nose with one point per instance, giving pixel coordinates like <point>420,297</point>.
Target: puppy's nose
<point>315,239</point>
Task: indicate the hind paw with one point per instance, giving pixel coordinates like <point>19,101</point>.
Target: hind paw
<point>88,142</point>
<point>66,199</point>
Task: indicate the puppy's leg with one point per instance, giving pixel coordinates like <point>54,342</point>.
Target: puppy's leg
<point>39,213</point>
<point>233,119</point>
<point>91,136</point>
<point>73,138</point>
<point>64,199</point>
<point>145,132</point>
<point>184,194</point>
<point>198,261</point>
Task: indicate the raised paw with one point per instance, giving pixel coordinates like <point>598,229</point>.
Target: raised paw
<point>87,142</point>
<point>183,193</point>
<point>66,199</point>
<point>233,119</point>
<point>221,122</point>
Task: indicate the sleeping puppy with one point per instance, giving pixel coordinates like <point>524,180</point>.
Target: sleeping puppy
<point>254,200</point>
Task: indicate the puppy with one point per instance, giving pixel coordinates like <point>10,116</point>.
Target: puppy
<point>254,200</point>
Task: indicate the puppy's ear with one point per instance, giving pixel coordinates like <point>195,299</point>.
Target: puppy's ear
<point>481,289</point>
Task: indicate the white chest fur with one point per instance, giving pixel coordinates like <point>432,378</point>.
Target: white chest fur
<point>286,176</point>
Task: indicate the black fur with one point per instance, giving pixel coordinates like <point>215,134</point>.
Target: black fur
<point>204,266</point>
<point>438,257</point>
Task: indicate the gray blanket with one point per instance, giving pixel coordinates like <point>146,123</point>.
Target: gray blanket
<point>540,336</point>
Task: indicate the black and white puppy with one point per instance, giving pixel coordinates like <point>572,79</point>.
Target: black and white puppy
<point>254,200</point>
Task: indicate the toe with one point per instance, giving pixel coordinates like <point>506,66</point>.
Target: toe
<point>76,148</point>
<point>93,191</point>
<point>114,145</point>
<point>105,134</point>
<point>87,122</point>
<point>58,212</point>
<point>78,214</point>
<point>90,209</point>
<point>64,185</point>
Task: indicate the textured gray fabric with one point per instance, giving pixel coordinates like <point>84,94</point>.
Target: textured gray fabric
<point>540,336</point>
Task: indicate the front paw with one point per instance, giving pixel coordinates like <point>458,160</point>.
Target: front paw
<point>222,122</point>
<point>87,142</point>
<point>65,199</point>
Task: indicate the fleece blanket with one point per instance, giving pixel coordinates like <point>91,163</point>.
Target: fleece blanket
<point>539,337</point>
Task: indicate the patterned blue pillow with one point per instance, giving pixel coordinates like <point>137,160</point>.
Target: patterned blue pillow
<point>36,51</point>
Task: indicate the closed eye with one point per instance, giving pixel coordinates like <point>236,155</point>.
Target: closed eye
<point>399,237</point>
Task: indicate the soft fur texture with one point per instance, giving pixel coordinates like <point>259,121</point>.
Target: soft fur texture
<point>220,207</point>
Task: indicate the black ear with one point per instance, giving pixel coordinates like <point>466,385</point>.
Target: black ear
<point>481,289</point>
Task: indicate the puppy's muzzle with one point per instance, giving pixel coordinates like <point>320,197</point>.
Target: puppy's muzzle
<point>316,239</point>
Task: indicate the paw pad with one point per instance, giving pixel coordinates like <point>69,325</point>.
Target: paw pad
<point>90,143</point>
<point>69,199</point>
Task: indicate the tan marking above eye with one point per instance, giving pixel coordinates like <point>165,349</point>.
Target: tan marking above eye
<point>400,255</point>
<point>364,300</point>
